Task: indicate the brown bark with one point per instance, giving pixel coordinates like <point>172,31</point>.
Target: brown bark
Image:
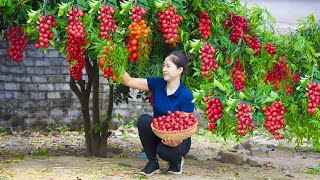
<point>105,133</point>
<point>84,101</point>
<point>95,110</point>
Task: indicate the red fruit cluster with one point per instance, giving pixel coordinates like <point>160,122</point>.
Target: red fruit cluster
<point>253,43</point>
<point>107,25</point>
<point>76,39</point>
<point>270,48</point>
<point>168,25</point>
<point>314,97</point>
<point>209,61</point>
<point>289,89</point>
<point>104,62</point>
<point>174,122</point>
<point>296,78</point>
<point>137,13</point>
<point>205,25</point>
<point>279,72</point>
<point>274,119</point>
<point>239,24</point>
<point>151,98</point>
<point>108,70</point>
<point>138,41</point>
<point>237,75</point>
<point>18,43</point>
<point>245,119</point>
<point>214,112</point>
<point>45,33</point>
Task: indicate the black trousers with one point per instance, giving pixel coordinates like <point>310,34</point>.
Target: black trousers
<point>152,144</point>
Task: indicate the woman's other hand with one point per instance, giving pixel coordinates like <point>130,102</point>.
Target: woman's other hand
<point>171,142</point>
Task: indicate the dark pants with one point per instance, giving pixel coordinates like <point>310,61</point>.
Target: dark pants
<point>152,144</point>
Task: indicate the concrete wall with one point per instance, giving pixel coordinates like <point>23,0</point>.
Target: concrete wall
<point>37,92</point>
<point>288,11</point>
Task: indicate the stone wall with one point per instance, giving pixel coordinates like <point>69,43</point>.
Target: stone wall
<point>36,92</point>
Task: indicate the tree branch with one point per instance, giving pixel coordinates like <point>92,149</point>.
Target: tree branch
<point>89,70</point>
<point>82,84</point>
<point>14,15</point>
<point>312,74</point>
<point>74,87</point>
<point>106,123</point>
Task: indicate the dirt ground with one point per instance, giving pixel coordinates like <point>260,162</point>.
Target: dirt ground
<point>34,155</point>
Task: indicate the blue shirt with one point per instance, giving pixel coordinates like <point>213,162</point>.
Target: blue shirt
<point>162,103</point>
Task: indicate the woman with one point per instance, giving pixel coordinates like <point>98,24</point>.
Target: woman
<point>169,95</point>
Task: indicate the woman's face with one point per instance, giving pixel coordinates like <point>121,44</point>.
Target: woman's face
<point>170,70</point>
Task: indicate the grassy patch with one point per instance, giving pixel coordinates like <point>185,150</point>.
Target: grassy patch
<point>3,130</point>
<point>124,165</point>
<point>40,152</point>
<point>314,170</point>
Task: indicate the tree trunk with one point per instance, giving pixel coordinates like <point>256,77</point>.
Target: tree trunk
<point>87,125</point>
<point>105,133</point>
<point>97,133</point>
<point>96,141</point>
<point>84,101</point>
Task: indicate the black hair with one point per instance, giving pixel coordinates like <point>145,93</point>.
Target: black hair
<point>180,59</point>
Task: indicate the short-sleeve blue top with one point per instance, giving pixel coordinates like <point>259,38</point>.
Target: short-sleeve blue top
<point>180,100</point>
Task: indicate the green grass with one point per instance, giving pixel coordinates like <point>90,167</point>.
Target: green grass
<point>313,170</point>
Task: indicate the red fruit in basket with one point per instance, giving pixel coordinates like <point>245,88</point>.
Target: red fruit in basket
<point>174,121</point>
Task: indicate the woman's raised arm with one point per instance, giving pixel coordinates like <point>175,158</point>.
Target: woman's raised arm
<point>136,83</point>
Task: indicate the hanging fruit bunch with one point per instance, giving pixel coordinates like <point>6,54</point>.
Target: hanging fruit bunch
<point>214,112</point>
<point>296,78</point>
<point>314,97</point>
<point>18,43</point>
<point>44,28</point>
<point>204,25</point>
<point>237,75</point>
<point>274,119</point>
<point>107,28</point>
<point>209,61</point>
<point>105,62</point>
<point>253,43</point>
<point>76,39</point>
<point>107,25</point>
<point>279,72</point>
<point>270,48</point>
<point>238,25</point>
<point>245,120</point>
<point>138,43</point>
<point>168,23</point>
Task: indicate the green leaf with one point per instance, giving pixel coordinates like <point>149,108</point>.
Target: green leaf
<point>274,95</point>
<point>62,49</point>
<point>126,6</point>
<point>52,43</point>
<point>94,6</point>
<point>63,7</point>
<point>159,4</point>
<point>217,84</point>
<point>268,99</point>
<point>82,4</point>
<point>54,31</point>
<point>33,16</point>
<point>281,131</point>
<point>243,96</point>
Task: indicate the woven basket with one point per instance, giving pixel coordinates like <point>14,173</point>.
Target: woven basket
<point>176,135</point>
